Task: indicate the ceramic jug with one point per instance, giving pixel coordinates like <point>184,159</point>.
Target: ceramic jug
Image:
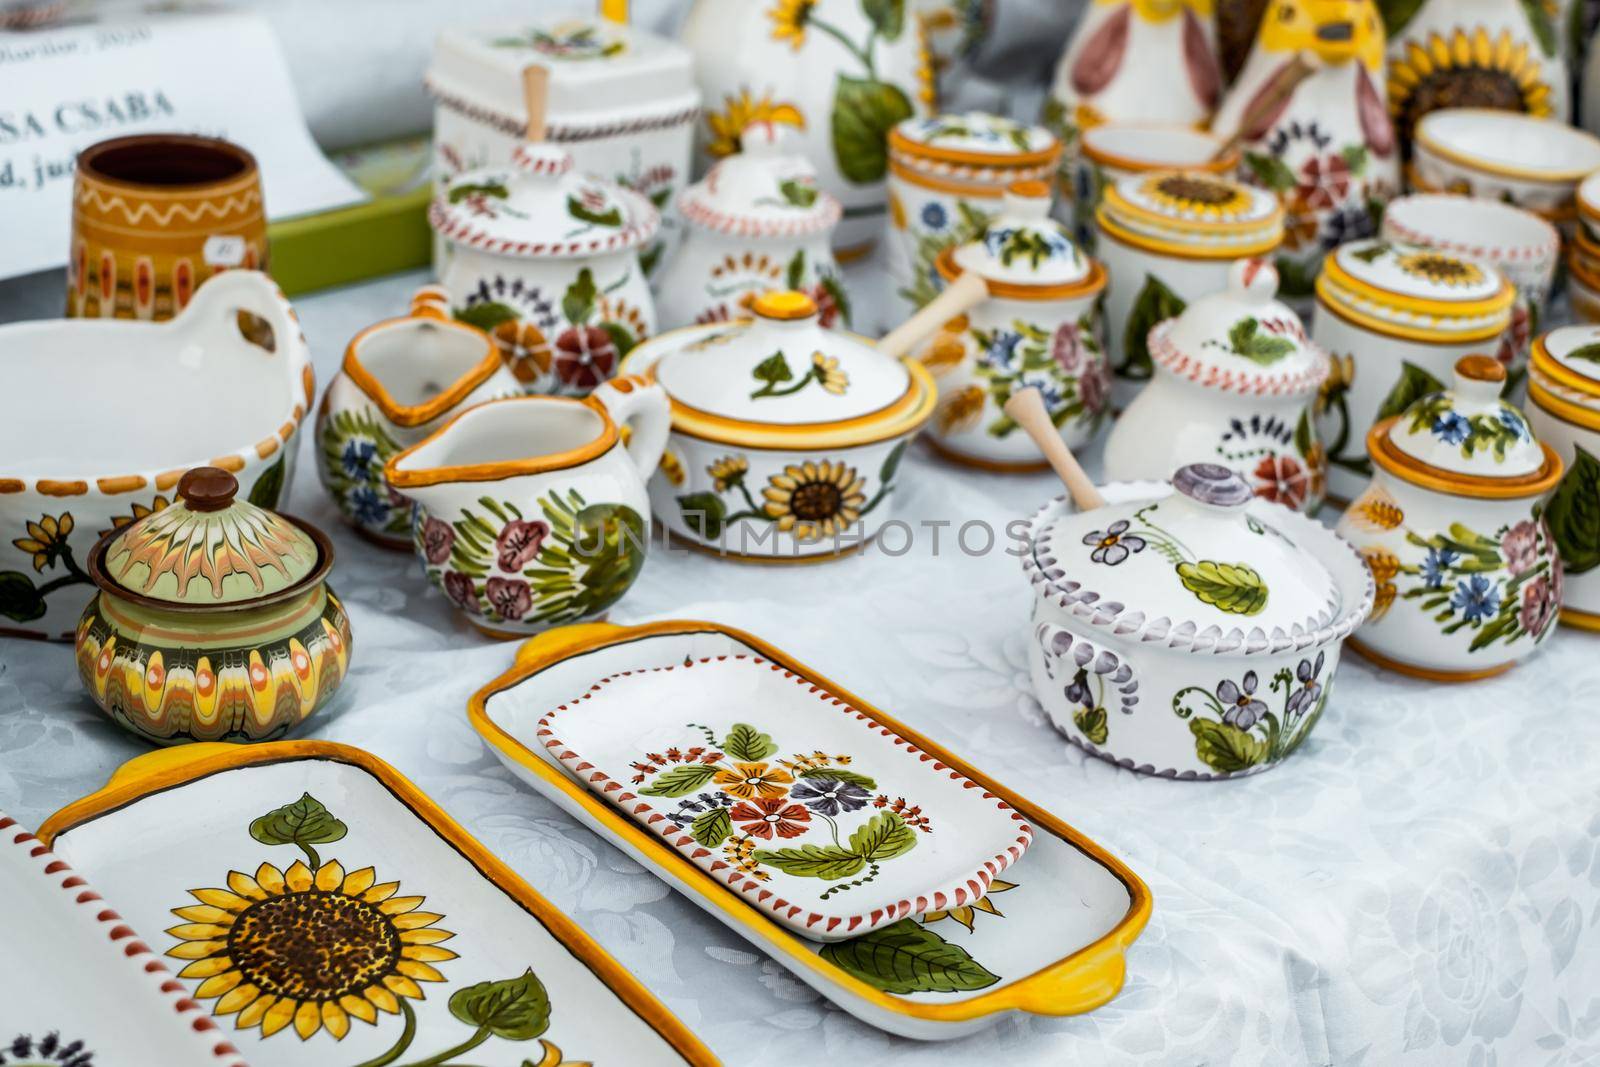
<point>1327,149</point>
<point>531,512</point>
<point>400,380</point>
<point>841,73</point>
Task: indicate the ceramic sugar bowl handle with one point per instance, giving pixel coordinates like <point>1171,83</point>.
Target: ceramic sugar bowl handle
<point>642,407</point>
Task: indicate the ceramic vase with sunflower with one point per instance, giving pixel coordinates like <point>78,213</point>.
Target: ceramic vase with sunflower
<point>841,72</point>
<point>1473,53</point>
<point>1327,149</point>
<point>1453,526</point>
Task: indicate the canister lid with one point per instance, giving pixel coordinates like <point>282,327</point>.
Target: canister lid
<point>1023,246</point>
<point>769,189</point>
<point>1192,213</point>
<point>975,138</point>
<point>1416,292</point>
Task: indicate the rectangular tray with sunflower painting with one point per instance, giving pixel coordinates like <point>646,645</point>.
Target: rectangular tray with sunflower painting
<point>324,913</point>
<point>1048,938</point>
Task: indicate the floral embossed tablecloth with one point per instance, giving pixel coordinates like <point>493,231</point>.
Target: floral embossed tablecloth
<point>1419,883</point>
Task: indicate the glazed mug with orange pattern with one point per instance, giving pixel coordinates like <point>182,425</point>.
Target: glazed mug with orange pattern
<point>531,512</point>
<point>156,215</point>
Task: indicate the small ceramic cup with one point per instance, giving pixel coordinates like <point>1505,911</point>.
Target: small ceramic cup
<point>1520,244</point>
<point>1117,150</point>
<point>154,216</point>
<point>1531,162</point>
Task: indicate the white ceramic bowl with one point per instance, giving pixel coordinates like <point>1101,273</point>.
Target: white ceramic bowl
<point>1503,155</point>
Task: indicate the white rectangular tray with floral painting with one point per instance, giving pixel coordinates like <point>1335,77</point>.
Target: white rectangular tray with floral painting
<point>320,908</point>
<point>1048,938</point>
<point>78,986</point>
<point>817,815</point>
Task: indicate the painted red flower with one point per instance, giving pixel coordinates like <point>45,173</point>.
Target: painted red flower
<point>437,540</point>
<point>1540,602</point>
<point>1324,182</point>
<point>461,590</point>
<point>1066,348</point>
<point>519,542</point>
<point>510,597</point>
<point>1514,342</point>
<point>828,310</point>
<point>1094,386</point>
<point>585,357</point>
<point>1282,480</point>
<point>765,817</point>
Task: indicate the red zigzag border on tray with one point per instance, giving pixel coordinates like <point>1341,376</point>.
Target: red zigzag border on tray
<point>973,890</point>
<point>120,933</point>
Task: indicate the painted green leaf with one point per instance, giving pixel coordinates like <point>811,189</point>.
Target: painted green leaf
<point>891,463</point>
<point>797,193</point>
<point>828,862</point>
<point>680,781</point>
<point>889,16</point>
<point>1373,252</point>
<point>1591,353</point>
<point>1231,587</point>
<point>883,837</point>
<point>773,369</point>
<point>1295,279</point>
<point>19,598</point>
<point>745,742</point>
<point>1539,22</point>
<point>514,1009</point>
<point>830,283</point>
<point>795,274</point>
<point>269,487</point>
<point>704,513</point>
<point>487,315</point>
<point>1270,171</point>
<point>1155,303</point>
<point>1413,384</point>
<point>864,111</point>
<point>583,213</point>
<point>459,193</point>
<point>1226,749</point>
<point>1092,721</point>
<point>578,302</point>
<point>1397,14</point>
<point>607,553</point>
<point>1248,340</point>
<point>620,336</point>
<point>1574,514</point>
<point>904,957</point>
<point>839,774</point>
<point>305,822</point>
<point>711,828</point>
<point>1355,157</point>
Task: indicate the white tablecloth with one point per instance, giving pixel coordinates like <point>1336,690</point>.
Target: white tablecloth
<point>1419,883</point>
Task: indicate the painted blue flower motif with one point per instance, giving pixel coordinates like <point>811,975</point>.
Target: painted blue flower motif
<point>829,795</point>
<point>934,216</point>
<point>1475,598</point>
<point>1049,387</point>
<point>1437,565</point>
<point>1244,710</point>
<point>1113,544</point>
<point>367,507</point>
<point>357,458</point>
<point>1515,424</point>
<point>1305,698</point>
<point>1002,351</point>
<point>690,807</point>
<point>1451,427</point>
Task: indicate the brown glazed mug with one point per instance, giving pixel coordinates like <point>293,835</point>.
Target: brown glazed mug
<point>154,216</point>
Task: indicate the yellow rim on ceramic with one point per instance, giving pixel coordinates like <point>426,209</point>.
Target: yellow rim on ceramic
<point>1560,408</point>
<point>1500,302</point>
<point>1542,361</point>
<point>1081,982</point>
<point>944,184</point>
<point>1475,487</point>
<point>413,415</point>
<point>494,472</point>
<point>164,769</point>
<point>1173,250</point>
<point>1116,202</point>
<point>1039,157</point>
<point>1330,300</point>
<point>1580,620</point>
<point>1427,674</point>
<point>1504,170</point>
<point>1091,284</point>
<point>1226,165</point>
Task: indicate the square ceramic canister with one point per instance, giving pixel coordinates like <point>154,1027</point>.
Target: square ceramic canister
<point>1167,238</point>
<point>623,101</point>
<point>947,175</point>
<point>1564,411</point>
<point>1394,318</point>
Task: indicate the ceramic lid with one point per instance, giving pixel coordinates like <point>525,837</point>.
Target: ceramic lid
<point>1242,339</point>
<point>1195,211</point>
<point>540,207</point>
<point>210,549</point>
<point>1467,428</point>
<point>783,368</point>
<point>1569,357</point>
<point>597,70</point>
<point>1198,554</point>
<point>977,138</point>
<point>1415,291</point>
<point>769,189</point>
<point>1023,245</point>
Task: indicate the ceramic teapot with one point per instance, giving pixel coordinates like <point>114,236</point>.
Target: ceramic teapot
<point>756,222</point>
<point>531,512</point>
<point>213,620</point>
<point>841,73</point>
<point>1235,377</point>
<point>1021,308</point>
<point>400,380</point>
<point>546,261</point>
<point>1327,149</point>
<point>1453,527</point>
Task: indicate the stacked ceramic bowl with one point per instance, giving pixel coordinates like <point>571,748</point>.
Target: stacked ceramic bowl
<point>1583,253</point>
<point>1564,410</point>
<point>1531,162</point>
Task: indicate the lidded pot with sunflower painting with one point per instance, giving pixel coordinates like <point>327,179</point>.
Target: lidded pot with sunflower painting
<point>1453,527</point>
<point>786,436</point>
<point>756,222</point>
<point>213,620</point>
<point>1235,375</point>
<point>546,261</point>
<point>1188,629</point>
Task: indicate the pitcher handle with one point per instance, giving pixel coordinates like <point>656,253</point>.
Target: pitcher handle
<point>641,405</point>
<point>431,302</point>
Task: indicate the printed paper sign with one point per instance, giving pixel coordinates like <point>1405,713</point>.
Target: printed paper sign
<point>219,75</point>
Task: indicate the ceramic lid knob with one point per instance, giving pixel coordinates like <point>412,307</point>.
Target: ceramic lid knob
<point>1213,485</point>
<point>1254,281</point>
<point>784,305</point>
<point>542,160</point>
<point>765,139</point>
<point>207,489</point>
<point>1479,378</point>
<point>1027,199</point>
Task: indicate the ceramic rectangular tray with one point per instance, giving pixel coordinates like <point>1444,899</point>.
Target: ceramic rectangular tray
<point>327,913</point>
<point>819,816</point>
<point>77,985</point>
<point>1048,939</point>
